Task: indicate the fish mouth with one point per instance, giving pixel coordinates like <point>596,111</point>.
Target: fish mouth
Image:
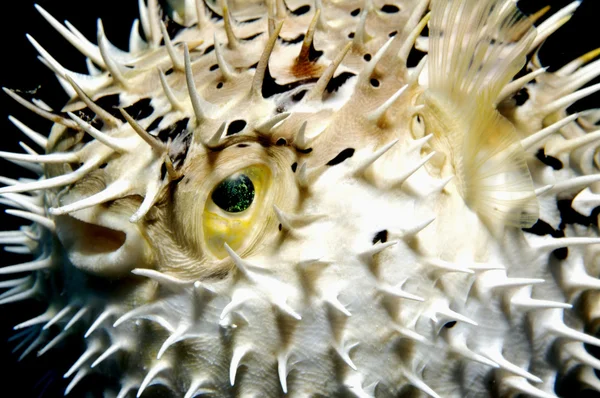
<point>99,239</point>
<point>102,242</point>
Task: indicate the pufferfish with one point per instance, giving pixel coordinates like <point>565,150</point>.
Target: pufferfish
<point>263,199</point>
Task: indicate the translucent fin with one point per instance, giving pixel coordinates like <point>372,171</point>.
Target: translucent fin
<point>476,48</point>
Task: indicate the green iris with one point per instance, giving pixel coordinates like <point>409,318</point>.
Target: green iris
<point>234,194</point>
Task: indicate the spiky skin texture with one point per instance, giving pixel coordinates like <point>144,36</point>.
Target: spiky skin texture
<point>390,247</point>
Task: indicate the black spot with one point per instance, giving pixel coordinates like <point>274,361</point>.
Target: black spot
<point>281,142</point>
<point>305,151</point>
<point>345,154</point>
<point>393,33</point>
<point>247,21</point>
<point>521,96</point>
<point>213,67</point>
<point>301,10</point>
<point>270,86</point>
<point>154,124</point>
<point>299,95</point>
<point>390,9</point>
<point>169,71</point>
<point>280,227</point>
<point>219,85</point>
<point>414,57</point>
<point>338,81</point>
<point>313,53</point>
<point>367,57</point>
<point>549,160</point>
<point>242,145</point>
<point>280,109</point>
<point>235,127</point>
<point>374,82</point>
<point>252,37</point>
<point>351,35</point>
<point>355,12</point>
<point>174,130</point>
<point>295,40</point>
<point>163,171</point>
<point>103,165</point>
<point>450,325</point>
<point>141,109</point>
<point>542,228</point>
<point>209,49</point>
<point>569,215</point>
<point>294,166</point>
<point>381,236</point>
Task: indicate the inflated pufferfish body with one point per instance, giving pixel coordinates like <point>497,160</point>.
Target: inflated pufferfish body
<point>262,199</point>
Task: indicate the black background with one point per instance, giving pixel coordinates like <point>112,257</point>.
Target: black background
<point>34,377</point>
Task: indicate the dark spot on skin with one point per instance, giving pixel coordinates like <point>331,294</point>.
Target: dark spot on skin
<point>305,151</point>
<point>242,145</point>
<point>280,109</point>
<point>381,236</point>
<point>414,57</point>
<point>270,87</point>
<point>163,171</point>
<point>250,38</point>
<point>450,325</point>
<point>103,165</point>
<point>281,142</point>
<point>313,53</point>
<point>569,215</point>
<point>294,166</point>
<point>393,33</point>
<point>169,71</point>
<point>299,95</point>
<point>521,96</point>
<point>174,130</point>
<point>141,109</point>
<point>301,10</point>
<point>213,67</point>
<point>295,40</point>
<point>542,228</point>
<point>219,85</point>
<point>280,227</point>
<point>154,124</point>
<point>390,9</point>
<point>338,81</point>
<point>345,154</point>
<point>367,57</point>
<point>549,160</point>
<point>247,21</point>
<point>209,49</point>
<point>235,127</point>
<point>355,12</point>
<point>351,35</point>
<point>374,82</point>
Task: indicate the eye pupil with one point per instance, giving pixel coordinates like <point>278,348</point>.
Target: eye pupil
<point>234,194</point>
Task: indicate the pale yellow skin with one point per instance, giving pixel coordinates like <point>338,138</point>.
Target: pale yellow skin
<point>295,296</point>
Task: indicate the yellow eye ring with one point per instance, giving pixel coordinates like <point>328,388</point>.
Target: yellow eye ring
<point>233,208</point>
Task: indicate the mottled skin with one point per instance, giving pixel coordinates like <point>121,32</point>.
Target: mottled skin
<point>392,247</point>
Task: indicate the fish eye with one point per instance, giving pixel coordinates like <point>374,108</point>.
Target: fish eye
<point>234,208</point>
<point>234,194</point>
